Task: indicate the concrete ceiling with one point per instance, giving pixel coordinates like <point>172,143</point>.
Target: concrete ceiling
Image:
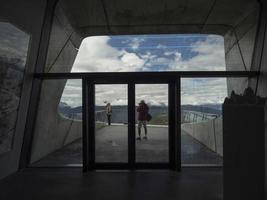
<point>102,17</point>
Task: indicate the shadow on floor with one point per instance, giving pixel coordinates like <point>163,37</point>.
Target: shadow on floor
<point>72,184</point>
<point>111,146</point>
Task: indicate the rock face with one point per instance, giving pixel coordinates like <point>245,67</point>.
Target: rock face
<point>11,77</point>
<point>13,54</point>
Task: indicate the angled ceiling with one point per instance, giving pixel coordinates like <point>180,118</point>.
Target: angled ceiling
<point>102,17</point>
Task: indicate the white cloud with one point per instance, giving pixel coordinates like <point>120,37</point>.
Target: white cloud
<point>132,60</point>
<point>210,56</point>
<point>135,42</point>
<point>148,55</point>
<point>72,94</point>
<point>169,53</point>
<point>96,55</point>
<point>153,94</point>
<point>160,46</point>
<point>198,91</point>
<point>114,94</point>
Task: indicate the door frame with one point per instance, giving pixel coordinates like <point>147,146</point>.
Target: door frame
<point>123,77</point>
<point>174,130</point>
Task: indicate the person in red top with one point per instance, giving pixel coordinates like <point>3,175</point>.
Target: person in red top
<point>142,110</point>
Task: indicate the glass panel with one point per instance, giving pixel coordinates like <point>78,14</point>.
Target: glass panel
<point>14,45</point>
<point>152,99</point>
<point>201,118</point>
<point>58,130</point>
<point>173,52</point>
<point>111,118</point>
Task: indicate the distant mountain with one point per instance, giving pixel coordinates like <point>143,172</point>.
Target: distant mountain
<point>65,109</point>
<point>205,108</point>
<point>119,113</point>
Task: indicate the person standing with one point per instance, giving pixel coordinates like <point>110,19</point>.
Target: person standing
<point>142,110</point>
<point>108,112</point>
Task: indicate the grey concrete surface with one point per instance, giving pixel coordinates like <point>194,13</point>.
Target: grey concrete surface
<point>27,16</point>
<point>209,133</point>
<point>239,48</point>
<point>55,131</point>
<point>71,184</point>
<point>142,17</point>
<point>111,146</point>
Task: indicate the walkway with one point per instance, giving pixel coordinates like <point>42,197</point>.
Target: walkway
<point>111,146</point>
<point>71,184</point>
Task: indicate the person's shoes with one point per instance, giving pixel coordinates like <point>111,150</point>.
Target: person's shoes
<point>145,137</point>
<point>138,138</point>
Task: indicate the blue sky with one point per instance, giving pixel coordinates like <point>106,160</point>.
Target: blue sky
<point>151,53</point>
<point>184,52</point>
<point>157,44</point>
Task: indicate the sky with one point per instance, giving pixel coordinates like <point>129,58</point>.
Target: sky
<point>184,52</point>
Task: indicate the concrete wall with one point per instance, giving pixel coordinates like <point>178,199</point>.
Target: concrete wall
<point>28,16</point>
<point>208,133</point>
<point>260,64</point>
<point>239,48</point>
<point>63,44</point>
<point>53,132</point>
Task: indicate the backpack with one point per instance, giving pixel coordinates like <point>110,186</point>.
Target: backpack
<point>148,117</point>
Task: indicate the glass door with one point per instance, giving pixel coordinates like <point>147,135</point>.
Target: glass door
<point>130,125</point>
<point>152,123</point>
<point>111,123</point>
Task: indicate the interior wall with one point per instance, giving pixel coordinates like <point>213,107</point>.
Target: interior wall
<point>239,48</point>
<point>28,16</point>
<point>260,84</point>
<point>49,135</point>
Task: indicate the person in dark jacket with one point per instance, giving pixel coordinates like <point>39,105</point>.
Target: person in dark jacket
<point>142,110</point>
<point>108,112</point>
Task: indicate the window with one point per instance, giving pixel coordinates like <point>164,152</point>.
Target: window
<point>14,45</point>
<point>180,52</point>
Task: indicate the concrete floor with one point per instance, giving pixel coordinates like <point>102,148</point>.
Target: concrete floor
<point>72,184</point>
<point>111,146</point>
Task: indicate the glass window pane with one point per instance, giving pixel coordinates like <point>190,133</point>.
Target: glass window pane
<point>14,45</point>
<point>111,119</point>
<point>129,53</point>
<point>153,146</point>
<point>201,118</point>
<point>58,130</point>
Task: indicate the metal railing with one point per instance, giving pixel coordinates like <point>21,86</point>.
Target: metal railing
<point>100,116</point>
<point>188,116</point>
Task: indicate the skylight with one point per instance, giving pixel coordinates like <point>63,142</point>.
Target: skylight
<point>133,53</point>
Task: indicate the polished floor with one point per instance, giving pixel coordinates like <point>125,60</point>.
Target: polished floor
<point>112,146</point>
<point>72,184</point>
